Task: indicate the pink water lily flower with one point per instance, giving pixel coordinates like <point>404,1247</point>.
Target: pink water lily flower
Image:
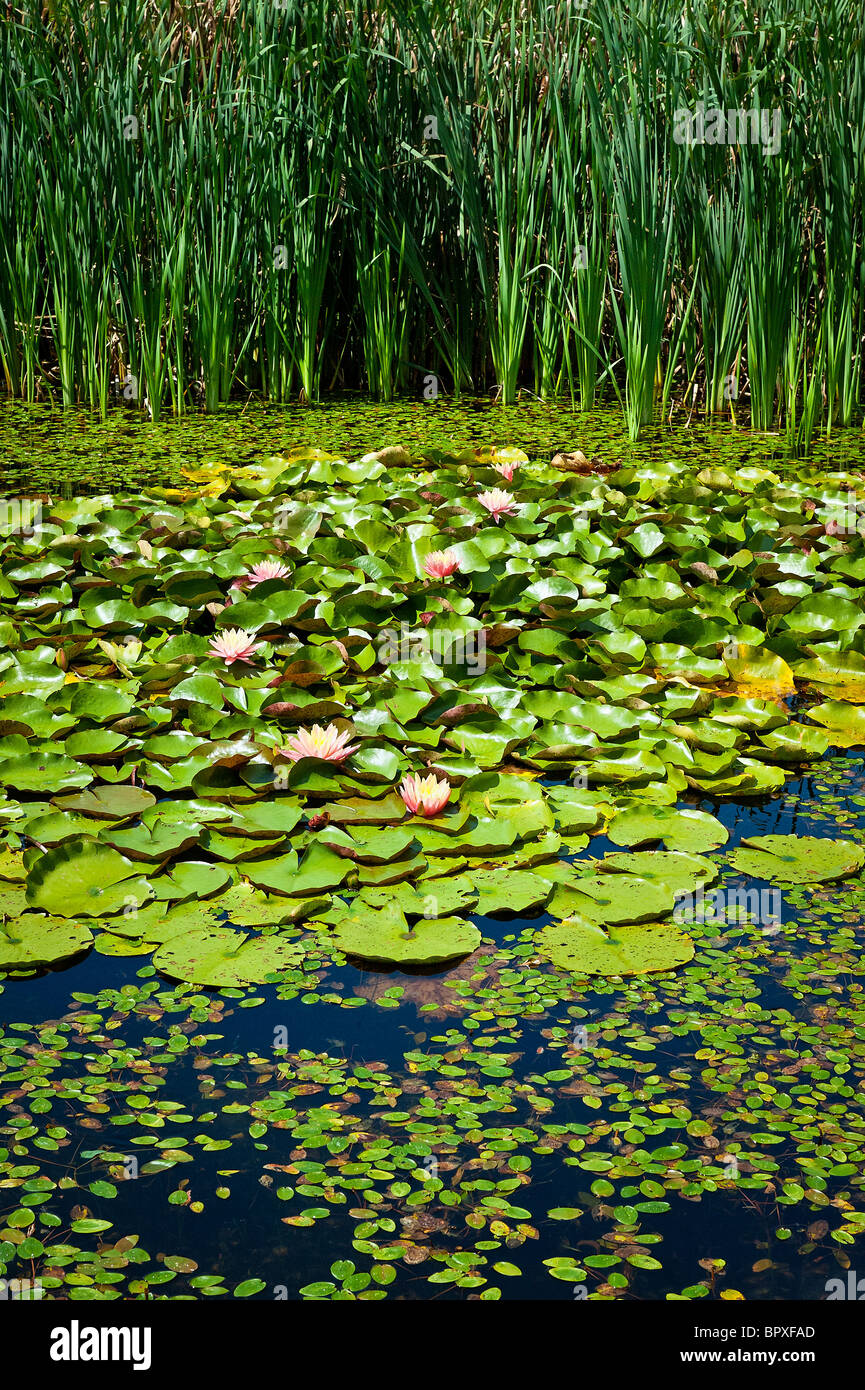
<point>498,503</point>
<point>330,744</point>
<point>233,645</point>
<point>424,796</point>
<point>440,563</point>
<point>265,569</point>
<point>506,470</point>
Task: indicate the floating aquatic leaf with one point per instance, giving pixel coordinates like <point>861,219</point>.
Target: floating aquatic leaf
<point>34,940</point>
<point>219,957</point>
<point>677,871</point>
<point>684,829</point>
<point>613,898</point>
<point>844,724</point>
<point>585,948</point>
<point>386,936</point>
<point>506,890</point>
<point>83,878</point>
<point>797,858</point>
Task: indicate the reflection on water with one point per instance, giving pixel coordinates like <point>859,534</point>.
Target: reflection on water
<point>308,1122</point>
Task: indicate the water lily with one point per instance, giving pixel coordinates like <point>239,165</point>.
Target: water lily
<point>440,563</point>
<point>498,503</point>
<point>506,469</point>
<point>233,645</point>
<point>121,654</point>
<point>425,796</point>
<point>330,744</point>
<point>264,570</point>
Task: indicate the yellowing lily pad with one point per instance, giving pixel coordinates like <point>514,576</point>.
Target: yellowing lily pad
<point>222,958</point>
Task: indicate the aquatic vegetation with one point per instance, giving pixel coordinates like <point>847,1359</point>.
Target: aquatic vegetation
<point>797,858</point>
<point>495,1049</point>
<point>644,666</point>
<point>260,573</point>
<point>330,745</point>
<point>233,645</point>
<point>425,796</point>
<point>507,469</point>
<point>439,564</point>
<point>466,197</point>
<point>498,503</point>
<point>627,949</point>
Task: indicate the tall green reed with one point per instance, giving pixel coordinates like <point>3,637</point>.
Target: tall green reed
<point>239,196</point>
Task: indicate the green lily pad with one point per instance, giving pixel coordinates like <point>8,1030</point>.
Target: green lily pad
<point>386,936</point>
<point>222,958</point>
<point>685,829</point>
<point>427,898</point>
<point>11,865</point>
<point>585,948</point>
<point>679,872</point>
<point>797,858</point>
<point>190,879</point>
<point>320,869</point>
<point>34,940</point>
<point>117,802</point>
<point>83,878</point>
<point>508,890</point>
<point>248,907</point>
<point>613,898</point>
<point>43,772</point>
<point>845,724</point>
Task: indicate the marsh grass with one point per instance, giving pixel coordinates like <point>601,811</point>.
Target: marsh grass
<point>219,198</point>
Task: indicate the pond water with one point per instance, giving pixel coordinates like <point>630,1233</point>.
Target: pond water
<point>491,1129</point>
<point>272,1135</point>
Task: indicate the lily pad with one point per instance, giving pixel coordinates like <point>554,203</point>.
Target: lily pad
<point>386,936</point>
<point>83,878</point>
<point>685,829</point>
<point>222,958</point>
<point>677,871</point>
<point>613,898</point>
<point>585,948</point>
<point>508,890</point>
<point>797,858</point>
<point>34,940</point>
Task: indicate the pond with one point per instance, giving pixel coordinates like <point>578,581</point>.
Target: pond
<point>44,447</point>
<point>657,665</point>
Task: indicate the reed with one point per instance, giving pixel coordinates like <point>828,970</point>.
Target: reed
<point>239,196</point>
